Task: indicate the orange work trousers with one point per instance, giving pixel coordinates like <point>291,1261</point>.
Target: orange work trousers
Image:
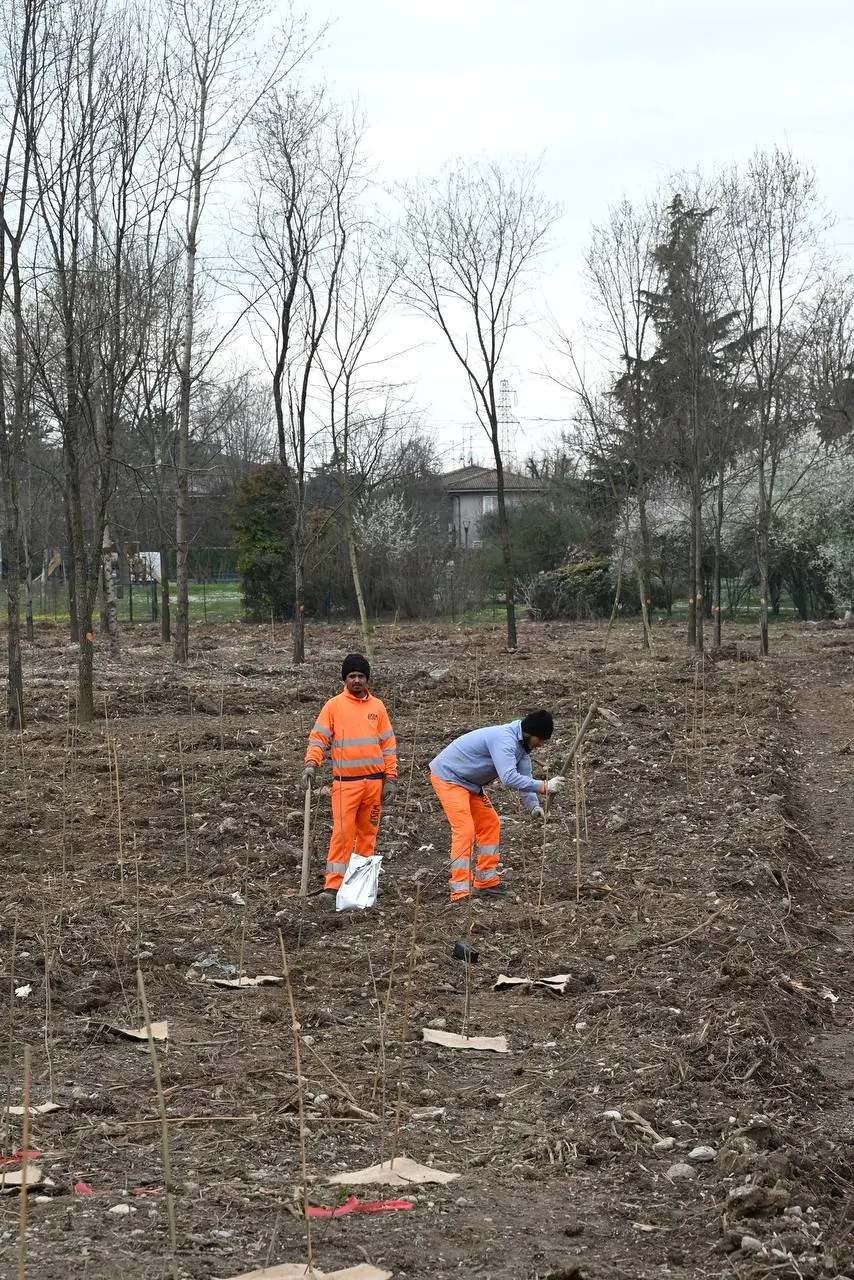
<point>356,809</point>
<point>475,832</point>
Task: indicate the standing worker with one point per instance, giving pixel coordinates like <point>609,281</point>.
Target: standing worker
<point>355,727</point>
<point>461,771</point>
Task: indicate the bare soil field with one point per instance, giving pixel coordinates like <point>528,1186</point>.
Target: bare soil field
<point>696,889</point>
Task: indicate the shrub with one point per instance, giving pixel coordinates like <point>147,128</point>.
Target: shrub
<point>579,590</point>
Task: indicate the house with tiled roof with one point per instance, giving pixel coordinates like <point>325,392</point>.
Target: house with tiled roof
<point>471,494</point>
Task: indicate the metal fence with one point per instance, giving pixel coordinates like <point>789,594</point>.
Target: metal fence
<point>210,601</point>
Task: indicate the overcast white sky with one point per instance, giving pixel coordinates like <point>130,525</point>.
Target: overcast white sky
<point>614,95</point>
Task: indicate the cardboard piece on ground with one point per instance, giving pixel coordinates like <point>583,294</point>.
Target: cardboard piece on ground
<point>159,1031</point>
<point>557,982</point>
<point>10,1182</point>
<point>300,1271</point>
<point>41,1109</point>
<point>402,1173</point>
<point>450,1040</point>
<point>263,980</point>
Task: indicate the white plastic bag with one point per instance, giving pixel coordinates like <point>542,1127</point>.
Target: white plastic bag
<point>361,883</point>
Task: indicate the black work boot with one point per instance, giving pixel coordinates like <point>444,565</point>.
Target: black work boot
<point>495,891</point>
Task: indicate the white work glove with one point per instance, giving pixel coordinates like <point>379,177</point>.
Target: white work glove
<point>538,812</point>
<point>308,775</point>
<point>389,791</point>
<point>555,784</point>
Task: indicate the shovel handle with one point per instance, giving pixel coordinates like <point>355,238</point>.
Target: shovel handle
<point>306,829</point>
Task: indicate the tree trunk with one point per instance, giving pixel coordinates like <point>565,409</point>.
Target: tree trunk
<point>618,587</point>
<point>645,571</point>
<point>506,548</point>
<point>28,579</point>
<point>182,544</point>
<point>692,606</point>
<point>717,570</point>
<point>647,634</point>
<point>182,501</point>
<point>762,556</point>
<point>15,679</point>
<point>68,576</point>
<point>103,619</point>
<point>299,580</point>
<point>82,598</point>
<point>165,620</point>
<point>85,664</point>
<point>299,610</point>
<point>357,583</point>
<point>111,608</point>
<point>699,605</point>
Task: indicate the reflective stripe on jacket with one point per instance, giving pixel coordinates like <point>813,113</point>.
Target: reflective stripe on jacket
<point>479,757</point>
<point>358,734</point>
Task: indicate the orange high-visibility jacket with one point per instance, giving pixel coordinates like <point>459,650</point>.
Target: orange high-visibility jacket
<point>360,738</point>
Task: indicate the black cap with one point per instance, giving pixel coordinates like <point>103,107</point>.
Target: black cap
<point>355,662</point>
<point>539,724</point>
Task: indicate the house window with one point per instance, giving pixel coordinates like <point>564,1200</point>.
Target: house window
<point>490,503</point>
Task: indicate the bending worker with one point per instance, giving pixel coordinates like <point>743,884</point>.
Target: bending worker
<point>461,771</point>
<point>355,727</point>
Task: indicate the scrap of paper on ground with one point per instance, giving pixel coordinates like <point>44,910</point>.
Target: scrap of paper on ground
<point>400,1172</point>
<point>450,1040</point>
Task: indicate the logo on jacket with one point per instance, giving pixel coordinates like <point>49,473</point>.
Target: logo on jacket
<point>372,715</point>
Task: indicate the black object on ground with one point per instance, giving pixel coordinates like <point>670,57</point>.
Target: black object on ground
<point>462,951</point>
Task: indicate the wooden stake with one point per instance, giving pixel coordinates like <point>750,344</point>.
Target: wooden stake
<point>404,1025</point>
<point>119,822</point>
<point>382,1017</point>
<point>542,856</point>
<point>184,807</point>
<point>164,1127</point>
<point>48,1018</point>
<point>412,764</point>
<point>579,737</point>
<point>25,1142</point>
<point>577,830</point>
<point>7,1129</point>
<point>583,797</point>
<point>306,832</point>
<point>295,1029</point>
<point>467,959</point>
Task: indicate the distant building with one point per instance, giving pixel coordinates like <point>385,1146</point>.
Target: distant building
<point>471,493</point>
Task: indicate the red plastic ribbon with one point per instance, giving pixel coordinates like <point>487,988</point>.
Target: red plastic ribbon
<point>353,1205</point>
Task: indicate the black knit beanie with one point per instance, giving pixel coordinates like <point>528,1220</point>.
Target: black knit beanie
<point>355,662</point>
<point>539,723</point>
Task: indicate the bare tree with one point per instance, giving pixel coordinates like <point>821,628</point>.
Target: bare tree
<point>621,272</point>
<point>829,360</point>
<point>241,432</point>
<point>23,52</point>
<point>97,198</point>
<point>362,291</point>
<point>609,446</point>
<point>308,174</point>
<point>150,457</point>
<point>471,241</point>
<point>774,222</point>
<point>215,81</point>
